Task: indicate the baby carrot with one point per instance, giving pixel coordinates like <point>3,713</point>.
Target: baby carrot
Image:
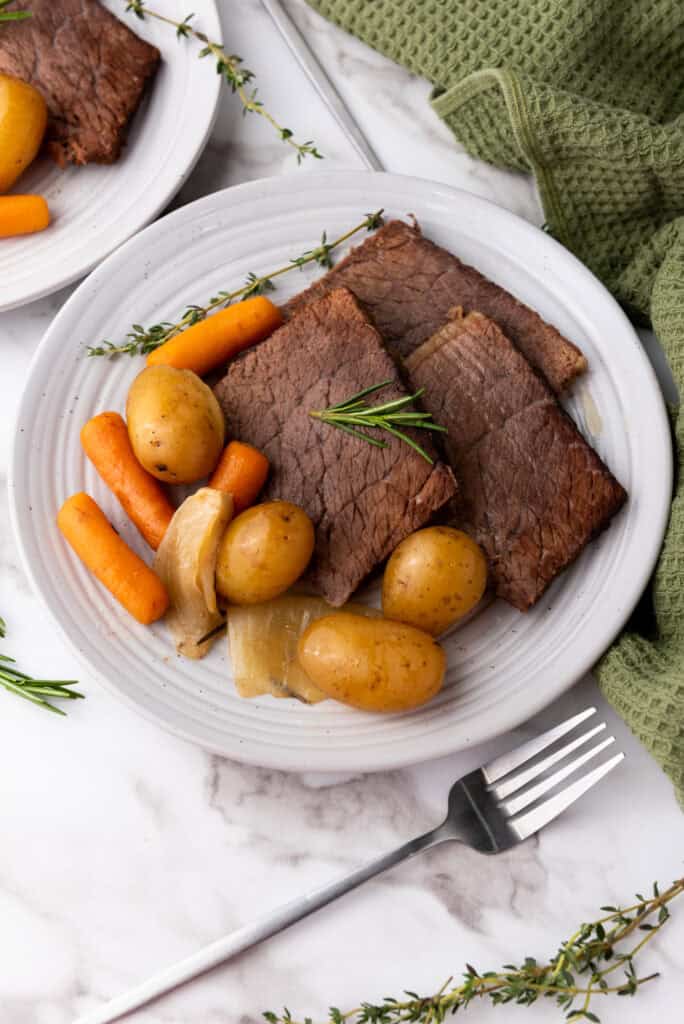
<point>22,215</point>
<point>109,558</point>
<point>219,337</point>
<point>106,442</point>
<point>242,472</point>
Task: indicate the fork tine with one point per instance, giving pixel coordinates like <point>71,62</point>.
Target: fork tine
<point>529,823</point>
<point>517,803</point>
<point>501,766</point>
<point>510,785</point>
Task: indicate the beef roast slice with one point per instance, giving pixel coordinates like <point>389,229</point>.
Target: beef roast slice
<point>409,284</point>
<point>90,68</point>
<point>362,500</point>
<point>532,491</point>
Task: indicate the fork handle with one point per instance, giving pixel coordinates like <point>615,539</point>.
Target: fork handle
<point>238,941</point>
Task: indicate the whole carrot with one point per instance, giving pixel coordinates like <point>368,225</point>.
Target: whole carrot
<point>125,575</point>
<point>106,442</point>
<point>242,472</point>
<point>219,337</point>
<point>22,215</point>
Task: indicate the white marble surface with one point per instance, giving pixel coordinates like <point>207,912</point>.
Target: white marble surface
<point>123,848</point>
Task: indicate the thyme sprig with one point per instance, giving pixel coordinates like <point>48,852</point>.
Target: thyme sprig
<point>234,73</point>
<point>34,690</point>
<point>354,413</point>
<point>572,978</point>
<point>12,15</point>
<point>142,340</point>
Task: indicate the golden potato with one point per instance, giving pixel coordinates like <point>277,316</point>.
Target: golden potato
<point>263,551</point>
<point>23,117</point>
<point>372,664</point>
<point>175,424</point>
<point>433,578</point>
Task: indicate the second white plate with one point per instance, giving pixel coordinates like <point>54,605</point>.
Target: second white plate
<point>96,208</point>
<point>503,666</point>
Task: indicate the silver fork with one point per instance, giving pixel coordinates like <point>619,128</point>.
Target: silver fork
<point>491,809</point>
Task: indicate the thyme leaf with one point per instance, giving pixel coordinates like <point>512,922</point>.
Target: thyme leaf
<point>141,340</point>
<point>354,413</point>
<point>573,978</point>
<point>232,70</point>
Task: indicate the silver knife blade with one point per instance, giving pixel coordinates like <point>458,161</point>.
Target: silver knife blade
<point>322,84</point>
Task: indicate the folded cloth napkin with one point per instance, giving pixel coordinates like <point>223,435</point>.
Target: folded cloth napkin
<point>589,96</point>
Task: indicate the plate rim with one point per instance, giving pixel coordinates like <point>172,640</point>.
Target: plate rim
<point>395,755</point>
<point>174,184</point>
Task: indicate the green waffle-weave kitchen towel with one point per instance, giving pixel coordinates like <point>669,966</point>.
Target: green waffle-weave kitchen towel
<point>589,96</point>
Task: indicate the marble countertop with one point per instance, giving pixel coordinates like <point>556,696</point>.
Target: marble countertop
<point>124,848</point>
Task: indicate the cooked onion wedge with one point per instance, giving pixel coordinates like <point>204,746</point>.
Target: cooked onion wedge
<point>186,564</point>
<point>263,639</point>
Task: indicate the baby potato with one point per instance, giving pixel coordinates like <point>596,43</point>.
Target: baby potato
<point>434,578</point>
<point>263,551</point>
<point>23,117</point>
<point>372,664</point>
<point>175,424</point>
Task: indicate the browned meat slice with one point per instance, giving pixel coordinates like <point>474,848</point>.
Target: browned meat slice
<point>90,68</point>
<point>533,493</point>
<point>363,500</point>
<point>409,284</point>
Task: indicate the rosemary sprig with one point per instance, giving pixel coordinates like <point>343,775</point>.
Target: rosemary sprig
<point>572,978</point>
<point>142,340</point>
<point>234,73</point>
<point>12,15</point>
<point>35,690</point>
<point>353,413</point>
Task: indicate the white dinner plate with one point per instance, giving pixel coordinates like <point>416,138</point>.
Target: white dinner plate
<point>503,665</point>
<point>96,208</point>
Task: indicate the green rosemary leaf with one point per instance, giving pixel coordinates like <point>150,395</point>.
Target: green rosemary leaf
<point>34,690</point>
<point>376,442</point>
<point>397,403</point>
<point>355,413</point>
<point>360,395</point>
<point>418,422</point>
<point>408,416</point>
<point>54,691</point>
<point>21,691</point>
